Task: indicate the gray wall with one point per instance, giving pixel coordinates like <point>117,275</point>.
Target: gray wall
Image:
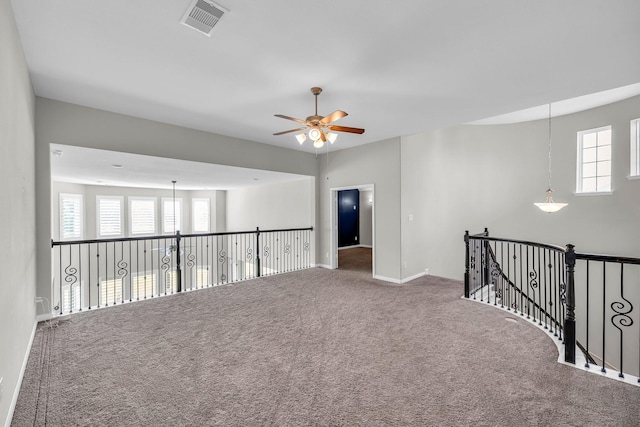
<point>274,206</point>
<point>17,234</point>
<point>471,177</point>
<point>82,126</point>
<point>366,213</point>
<point>377,164</point>
<point>282,205</point>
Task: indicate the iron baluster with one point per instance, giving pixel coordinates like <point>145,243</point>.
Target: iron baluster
<point>622,316</point>
<point>258,267</point>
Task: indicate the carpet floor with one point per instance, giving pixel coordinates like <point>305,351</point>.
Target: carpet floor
<point>311,348</point>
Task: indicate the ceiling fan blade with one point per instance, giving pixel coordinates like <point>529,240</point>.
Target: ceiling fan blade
<point>336,115</point>
<point>345,129</point>
<point>291,118</point>
<point>323,137</point>
<point>289,131</point>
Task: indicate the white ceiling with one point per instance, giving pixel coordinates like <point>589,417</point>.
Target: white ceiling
<point>397,68</point>
<point>89,166</point>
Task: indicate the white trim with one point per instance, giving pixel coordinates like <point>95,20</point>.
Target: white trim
<point>16,391</point>
<point>415,276</point>
<point>634,149</point>
<point>580,359</point>
<point>387,279</point>
<point>596,193</point>
<point>333,224</point>
<point>328,267</point>
<point>632,177</point>
<point>580,163</point>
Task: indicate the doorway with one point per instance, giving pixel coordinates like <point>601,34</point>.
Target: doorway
<point>352,228</point>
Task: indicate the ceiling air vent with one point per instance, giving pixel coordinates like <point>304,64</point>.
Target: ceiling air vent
<point>203,16</point>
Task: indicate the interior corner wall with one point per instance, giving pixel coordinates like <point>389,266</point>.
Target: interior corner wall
<point>18,249</point>
<point>470,177</point>
<point>377,163</point>
<point>70,124</point>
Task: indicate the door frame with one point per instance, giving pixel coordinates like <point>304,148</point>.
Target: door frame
<point>334,223</point>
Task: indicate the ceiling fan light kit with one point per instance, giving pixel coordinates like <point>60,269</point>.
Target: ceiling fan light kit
<point>314,134</point>
<point>318,127</point>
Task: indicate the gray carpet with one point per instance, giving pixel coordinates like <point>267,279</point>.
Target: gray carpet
<point>315,347</point>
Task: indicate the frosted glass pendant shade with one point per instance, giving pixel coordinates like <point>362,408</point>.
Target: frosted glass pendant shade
<point>549,205</point>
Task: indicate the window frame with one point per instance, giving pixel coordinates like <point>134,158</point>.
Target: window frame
<point>132,200</point>
<point>580,163</point>
<point>136,288</point>
<point>79,197</point>
<point>634,149</point>
<point>193,214</point>
<point>179,211</point>
<point>116,284</point>
<point>98,217</point>
<point>73,292</point>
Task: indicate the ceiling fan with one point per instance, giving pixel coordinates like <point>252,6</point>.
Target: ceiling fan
<point>320,129</point>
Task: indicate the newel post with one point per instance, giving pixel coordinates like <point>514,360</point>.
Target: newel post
<point>486,259</point>
<point>466,264</point>
<point>258,251</point>
<point>570,319</point>
<point>178,269</point>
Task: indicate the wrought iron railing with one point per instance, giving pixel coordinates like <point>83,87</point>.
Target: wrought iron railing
<point>97,273</point>
<point>607,290</point>
<point>580,298</point>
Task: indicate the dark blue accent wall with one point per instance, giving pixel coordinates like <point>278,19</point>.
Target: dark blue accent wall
<point>348,218</point>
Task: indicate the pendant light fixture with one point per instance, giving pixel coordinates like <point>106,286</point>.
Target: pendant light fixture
<point>549,205</point>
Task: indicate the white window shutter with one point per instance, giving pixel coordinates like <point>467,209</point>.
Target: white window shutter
<point>70,216</point>
<point>110,216</point>
<point>200,215</point>
<point>143,216</point>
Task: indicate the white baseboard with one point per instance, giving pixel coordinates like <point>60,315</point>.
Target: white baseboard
<point>328,267</point>
<point>410,278</point>
<point>398,281</point>
<point>387,279</point>
<point>16,391</point>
